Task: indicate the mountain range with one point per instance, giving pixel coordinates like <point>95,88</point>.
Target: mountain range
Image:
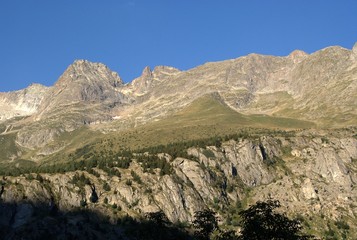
<point>319,89</point>
<point>244,127</point>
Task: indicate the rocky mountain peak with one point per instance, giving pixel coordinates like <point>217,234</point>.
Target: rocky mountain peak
<point>167,70</point>
<point>36,87</point>
<point>146,72</point>
<point>83,82</point>
<point>141,84</point>
<point>86,71</point>
<point>297,55</point>
<point>354,49</point>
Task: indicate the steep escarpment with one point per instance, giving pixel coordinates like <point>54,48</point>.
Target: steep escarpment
<point>312,174</point>
<point>85,81</point>
<point>23,102</point>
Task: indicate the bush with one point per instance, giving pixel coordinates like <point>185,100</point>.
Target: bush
<point>261,222</point>
<point>29,177</point>
<point>208,153</point>
<point>229,188</point>
<point>136,177</point>
<point>106,187</point>
<point>340,224</point>
<point>83,203</point>
<point>39,178</point>
<point>128,182</point>
<point>80,180</point>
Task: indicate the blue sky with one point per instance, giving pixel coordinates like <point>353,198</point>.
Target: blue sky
<point>40,38</point>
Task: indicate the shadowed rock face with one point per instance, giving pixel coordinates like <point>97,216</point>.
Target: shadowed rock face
<point>304,172</point>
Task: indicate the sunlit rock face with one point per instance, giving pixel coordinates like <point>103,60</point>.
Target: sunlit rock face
<point>22,102</point>
<point>319,87</point>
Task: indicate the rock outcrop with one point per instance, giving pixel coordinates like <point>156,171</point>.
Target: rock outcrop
<point>310,175</point>
<point>23,102</point>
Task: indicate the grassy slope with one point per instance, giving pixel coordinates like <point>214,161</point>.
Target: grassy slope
<point>205,117</point>
<point>210,111</point>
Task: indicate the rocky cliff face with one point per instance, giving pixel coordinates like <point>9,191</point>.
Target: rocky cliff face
<point>86,81</point>
<point>312,175</point>
<point>23,102</point>
<point>85,93</point>
<point>299,86</point>
<point>82,84</point>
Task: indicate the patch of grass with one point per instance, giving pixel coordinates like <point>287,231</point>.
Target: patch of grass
<point>204,118</point>
<point>272,100</point>
<point>286,150</point>
<point>208,153</point>
<point>8,146</point>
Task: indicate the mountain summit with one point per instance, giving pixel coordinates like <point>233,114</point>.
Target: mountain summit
<point>87,81</point>
<point>320,88</point>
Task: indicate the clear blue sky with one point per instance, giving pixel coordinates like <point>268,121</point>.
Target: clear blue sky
<point>40,38</point>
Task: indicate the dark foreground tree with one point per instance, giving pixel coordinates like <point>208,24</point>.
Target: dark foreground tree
<point>225,235</point>
<point>260,222</point>
<point>205,223</point>
<point>158,218</point>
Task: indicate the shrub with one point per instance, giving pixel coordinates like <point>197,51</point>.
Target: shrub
<point>83,203</point>
<point>106,187</point>
<point>208,153</point>
<point>136,177</point>
<point>128,182</point>
<point>340,224</point>
<point>80,180</point>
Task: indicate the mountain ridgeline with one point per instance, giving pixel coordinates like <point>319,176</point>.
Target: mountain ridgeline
<point>319,88</point>
<point>220,136</point>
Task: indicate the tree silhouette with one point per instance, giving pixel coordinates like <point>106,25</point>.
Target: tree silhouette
<point>225,235</point>
<point>158,218</point>
<point>260,222</point>
<point>205,223</point>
